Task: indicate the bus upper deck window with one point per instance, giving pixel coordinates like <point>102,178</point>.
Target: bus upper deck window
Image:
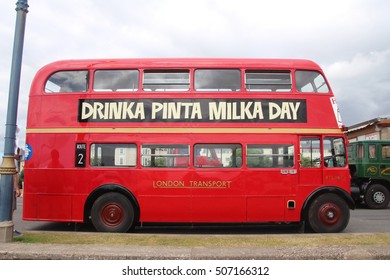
<point>266,81</point>
<point>310,81</point>
<point>67,81</point>
<point>116,80</point>
<point>166,80</point>
<point>217,80</point>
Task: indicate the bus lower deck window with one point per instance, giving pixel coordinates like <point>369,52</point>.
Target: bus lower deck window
<point>113,155</point>
<point>270,156</point>
<point>173,156</point>
<point>218,155</point>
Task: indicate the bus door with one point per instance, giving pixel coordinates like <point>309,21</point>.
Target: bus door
<point>310,167</point>
<point>323,164</point>
<point>270,181</point>
<point>335,170</point>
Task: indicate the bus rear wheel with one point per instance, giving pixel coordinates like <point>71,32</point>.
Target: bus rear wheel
<point>328,213</point>
<point>377,196</point>
<point>112,212</point>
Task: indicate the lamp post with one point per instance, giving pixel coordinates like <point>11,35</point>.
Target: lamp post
<point>8,169</point>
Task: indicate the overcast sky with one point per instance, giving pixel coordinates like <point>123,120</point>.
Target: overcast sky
<point>349,39</point>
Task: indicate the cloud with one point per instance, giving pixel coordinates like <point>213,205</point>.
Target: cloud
<point>361,65</point>
<point>362,85</point>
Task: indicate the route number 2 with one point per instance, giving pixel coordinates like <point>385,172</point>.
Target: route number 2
<point>81,151</point>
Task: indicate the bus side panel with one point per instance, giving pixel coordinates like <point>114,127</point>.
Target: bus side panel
<point>267,190</point>
<point>265,209</point>
<point>218,195</point>
<point>164,208</point>
<point>51,181</point>
<point>77,212</point>
<point>47,207</point>
<point>163,196</point>
<point>339,177</point>
<point>47,198</point>
<point>213,209</point>
<point>54,207</point>
<point>29,207</point>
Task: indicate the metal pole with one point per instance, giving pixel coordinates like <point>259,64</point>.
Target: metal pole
<point>8,169</point>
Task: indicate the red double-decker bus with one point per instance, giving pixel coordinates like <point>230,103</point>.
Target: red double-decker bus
<point>121,142</point>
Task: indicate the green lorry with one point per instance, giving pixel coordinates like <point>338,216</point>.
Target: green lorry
<point>369,163</point>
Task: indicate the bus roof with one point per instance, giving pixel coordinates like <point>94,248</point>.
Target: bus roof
<point>267,63</point>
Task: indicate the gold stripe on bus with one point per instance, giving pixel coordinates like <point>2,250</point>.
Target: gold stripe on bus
<point>186,130</point>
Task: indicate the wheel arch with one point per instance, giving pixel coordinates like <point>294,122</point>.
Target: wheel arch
<point>382,182</point>
<point>327,189</point>
<point>106,189</point>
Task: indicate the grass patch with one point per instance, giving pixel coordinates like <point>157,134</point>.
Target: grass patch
<point>205,240</point>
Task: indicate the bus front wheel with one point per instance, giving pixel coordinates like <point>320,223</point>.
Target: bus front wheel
<point>112,212</point>
<point>328,213</point>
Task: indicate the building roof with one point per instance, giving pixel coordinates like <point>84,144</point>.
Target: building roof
<point>378,121</point>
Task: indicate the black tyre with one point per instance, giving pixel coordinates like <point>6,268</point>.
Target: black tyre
<point>377,196</point>
<point>112,212</point>
<point>328,213</point>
